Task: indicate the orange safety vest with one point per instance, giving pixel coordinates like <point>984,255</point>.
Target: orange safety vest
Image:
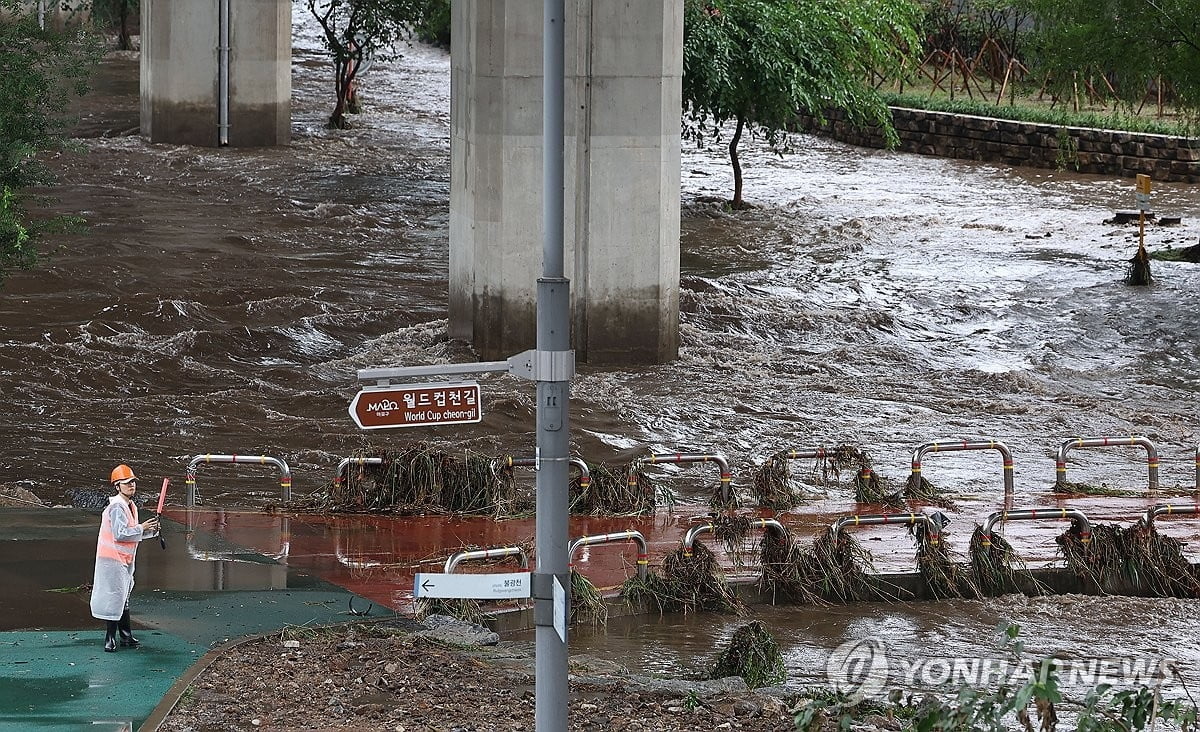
<point>108,547</point>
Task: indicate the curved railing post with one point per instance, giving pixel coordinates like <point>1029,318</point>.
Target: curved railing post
<point>900,519</point>
<point>1167,509</point>
<point>962,445</point>
<point>585,474</point>
<point>458,557</point>
<point>1060,461</point>
<point>689,539</point>
<point>643,556</point>
<point>347,462</point>
<point>1035,514</point>
<point>722,463</point>
<point>285,473</point>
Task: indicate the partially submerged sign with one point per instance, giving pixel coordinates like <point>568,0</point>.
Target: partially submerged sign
<point>417,405</point>
<point>477,586</point>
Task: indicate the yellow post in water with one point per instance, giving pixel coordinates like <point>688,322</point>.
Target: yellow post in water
<point>1139,271</point>
<point>1143,199</point>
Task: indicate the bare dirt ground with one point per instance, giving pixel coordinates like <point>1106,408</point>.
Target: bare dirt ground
<point>387,677</point>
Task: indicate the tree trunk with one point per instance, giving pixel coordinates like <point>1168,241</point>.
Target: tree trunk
<point>737,164</point>
<point>337,120</point>
<point>124,42</point>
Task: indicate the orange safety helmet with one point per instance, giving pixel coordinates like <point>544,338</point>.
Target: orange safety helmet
<point>120,473</point>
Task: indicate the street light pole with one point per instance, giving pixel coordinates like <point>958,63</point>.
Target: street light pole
<point>551,582</point>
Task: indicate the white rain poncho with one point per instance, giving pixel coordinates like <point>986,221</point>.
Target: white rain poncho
<point>116,548</point>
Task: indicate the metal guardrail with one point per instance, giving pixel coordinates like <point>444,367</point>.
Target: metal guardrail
<point>507,551</point>
<point>1060,460</point>
<point>962,445</point>
<point>900,519</point>
<point>814,452</point>
<point>339,476</point>
<point>1037,514</point>
<point>1167,509</point>
<point>680,457</point>
<point>689,539</point>
<point>585,475</point>
<point>285,473</point>
<point>615,537</point>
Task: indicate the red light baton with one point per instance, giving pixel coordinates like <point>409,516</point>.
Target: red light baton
<point>162,498</point>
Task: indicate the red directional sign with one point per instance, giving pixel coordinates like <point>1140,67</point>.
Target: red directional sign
<point>419,405</point>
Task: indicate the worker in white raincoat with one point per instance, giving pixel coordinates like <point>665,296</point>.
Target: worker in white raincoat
<point>116,548</point>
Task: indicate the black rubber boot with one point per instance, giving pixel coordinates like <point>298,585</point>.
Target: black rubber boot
<point>127,638</point>
<point>110,637</point>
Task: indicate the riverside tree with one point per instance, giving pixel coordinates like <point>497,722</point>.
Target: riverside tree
<point>41,70</point>
<point>756,63</point>
<point>1134,43</point>
<point>357,31</point>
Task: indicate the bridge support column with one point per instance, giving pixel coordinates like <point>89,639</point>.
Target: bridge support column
<point>180,75</point>
<point>624,65</point>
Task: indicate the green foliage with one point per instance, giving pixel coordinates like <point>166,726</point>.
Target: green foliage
<point>1060,117</point>
<point>1133,43</point>
<point>434,26</point>
<point>756,63</point>
<point>40,71</point>
<point>1067,155</point>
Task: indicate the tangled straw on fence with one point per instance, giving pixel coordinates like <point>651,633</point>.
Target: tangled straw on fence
<point>587,603</point>
<point>418,479</point>
<point>753,655</point>
<point>612,491</point>
<point>773,485</point>
<point>731,531</point>
<point>995,566</point>
<point>945,577</point>
<point>1087,489</point>
<point>833,568</point>
<point>1136,555</point>
<point>685,584</point>
<point>871,487</point>
<point>784,571</point>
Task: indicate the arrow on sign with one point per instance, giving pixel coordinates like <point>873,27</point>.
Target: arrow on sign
<point>512,585</point>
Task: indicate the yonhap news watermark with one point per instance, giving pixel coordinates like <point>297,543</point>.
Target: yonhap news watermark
<point>864,669</point>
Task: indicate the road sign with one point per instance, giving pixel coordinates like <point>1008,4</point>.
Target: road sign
<point>417,405</point>
<point>505,586</point>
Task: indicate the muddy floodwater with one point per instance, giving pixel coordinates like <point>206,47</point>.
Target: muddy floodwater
<point>224,298</point>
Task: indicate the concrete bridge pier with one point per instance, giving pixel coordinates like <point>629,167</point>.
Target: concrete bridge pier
<point>216,72</point>
<point>624,65</point>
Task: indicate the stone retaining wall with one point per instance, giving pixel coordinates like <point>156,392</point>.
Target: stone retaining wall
<point>1104,152</point>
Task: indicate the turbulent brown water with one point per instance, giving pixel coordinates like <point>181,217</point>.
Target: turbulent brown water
<point>223,300</point>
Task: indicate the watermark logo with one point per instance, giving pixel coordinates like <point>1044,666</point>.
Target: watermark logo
<point>863,669</point>
<point>859,669</point>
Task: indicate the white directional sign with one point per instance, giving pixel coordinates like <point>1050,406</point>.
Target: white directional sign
<point>477,586</point>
